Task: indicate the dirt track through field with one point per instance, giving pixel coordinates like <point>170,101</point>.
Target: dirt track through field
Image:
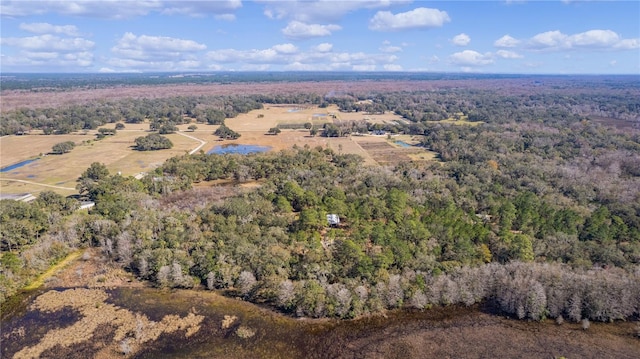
<point>37,184</point>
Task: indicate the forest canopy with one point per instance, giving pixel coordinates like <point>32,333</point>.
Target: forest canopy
<point>537,211</point>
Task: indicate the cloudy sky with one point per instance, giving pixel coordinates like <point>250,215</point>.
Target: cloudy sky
<point>545,37</point>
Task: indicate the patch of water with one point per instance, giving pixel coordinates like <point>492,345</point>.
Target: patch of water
<point>17,165</point>
<point>403,144</point>
<point>238,149</point>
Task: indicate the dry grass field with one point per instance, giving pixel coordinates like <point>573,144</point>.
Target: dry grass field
<point>59,172</point>
<point>387,117</point>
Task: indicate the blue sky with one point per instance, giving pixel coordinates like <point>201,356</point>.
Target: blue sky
<point>528,37</point>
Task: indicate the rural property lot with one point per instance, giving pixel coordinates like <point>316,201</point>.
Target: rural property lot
<point>60,172</point>
<point>63,170</point>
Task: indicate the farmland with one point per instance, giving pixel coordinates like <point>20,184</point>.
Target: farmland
<point>63,170</point>
<point>117,152</point>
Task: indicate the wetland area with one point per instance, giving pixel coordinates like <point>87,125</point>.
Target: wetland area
<point>91,310</point>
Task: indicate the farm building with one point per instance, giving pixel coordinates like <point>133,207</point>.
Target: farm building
<point>24,197</point>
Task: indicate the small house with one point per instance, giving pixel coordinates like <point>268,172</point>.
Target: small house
<point>333,220</point>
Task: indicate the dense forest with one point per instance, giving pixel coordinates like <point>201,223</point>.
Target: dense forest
<point>536,211</point>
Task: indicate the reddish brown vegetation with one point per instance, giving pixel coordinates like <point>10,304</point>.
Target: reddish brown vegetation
<point>40,99</point>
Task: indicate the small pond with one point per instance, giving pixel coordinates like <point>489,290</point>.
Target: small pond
<point>17,165</point>
<point>403,144</point>
<point>237,148</point>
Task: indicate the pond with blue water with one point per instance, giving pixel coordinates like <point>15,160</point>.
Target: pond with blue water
<point>17,165</point>
<point>238,149</point>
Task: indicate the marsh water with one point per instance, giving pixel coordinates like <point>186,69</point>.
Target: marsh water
<point>468,332</point>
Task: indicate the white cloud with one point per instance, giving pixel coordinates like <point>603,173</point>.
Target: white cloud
<point>363,67</point>
<point>471,58</point>
<point>324,47</point>
<point>48,51</point>
<point>506,41</point>
<point>285,48</point>
<point>297,66</point>
<point>310,11</point>
<point>627,44</point>
<point>221,9</point>
<point>48,60</point>
<point>549,39</point>
<point>599,38</point>
<point>155,53</point>
<point>114,9</point>
<point>392,67</point>
<point>388,48</point>
<point>255,67</point>
<point>415,19</point>
<point>118,9</point>
<point>592,39</point>
<point>317,58</point>
<point>506,54</point>
<point>47,42</point>
<point>146,47</point>
<point>461,40</point>
<point>254,56</point>
<point>300,30</point>
<point>45,28</point>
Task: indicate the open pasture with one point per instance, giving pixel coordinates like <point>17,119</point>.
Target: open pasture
<point>61,171</point>
<point>381,118</point>
<point>274,115</point>
<point>15,149</point>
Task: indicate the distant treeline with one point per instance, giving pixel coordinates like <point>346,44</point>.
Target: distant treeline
<point>52,82</point>
<point>419,108</point>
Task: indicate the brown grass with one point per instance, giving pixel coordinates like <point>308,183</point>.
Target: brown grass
<point>135,328</point>
<point>115,152</point>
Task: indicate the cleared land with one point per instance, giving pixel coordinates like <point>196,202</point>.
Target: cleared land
<point>117,152</point>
